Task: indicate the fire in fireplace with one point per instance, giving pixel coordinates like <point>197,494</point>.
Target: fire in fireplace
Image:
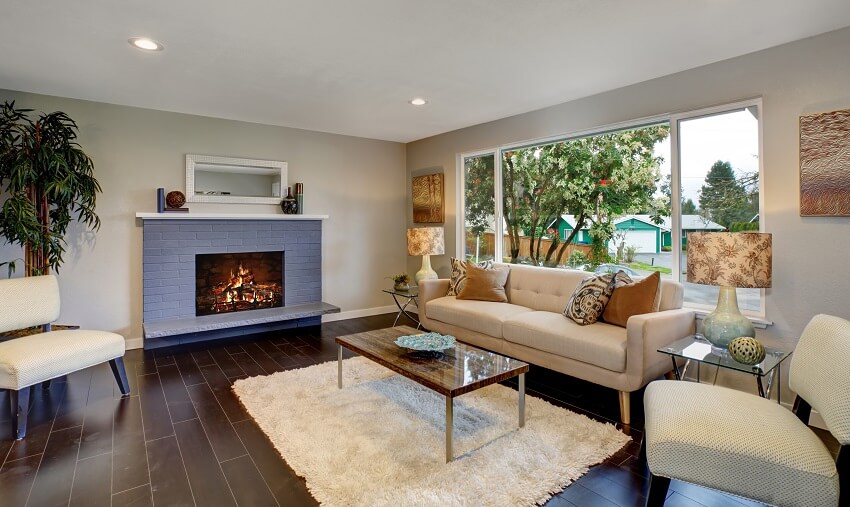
<point>235,282</point>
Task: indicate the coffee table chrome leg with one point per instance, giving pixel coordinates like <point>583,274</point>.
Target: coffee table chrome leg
<point>339,368</point>
<point>449,427</point>
<point>521,400</point>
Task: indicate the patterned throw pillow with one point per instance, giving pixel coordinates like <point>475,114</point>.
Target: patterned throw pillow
<point>589,299</point>
<point>459,274</point>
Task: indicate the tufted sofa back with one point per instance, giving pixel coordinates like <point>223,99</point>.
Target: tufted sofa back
<point>549,289</point>
<point>29,301</point>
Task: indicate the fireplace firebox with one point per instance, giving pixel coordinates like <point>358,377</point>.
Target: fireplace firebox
<point>235,282</point>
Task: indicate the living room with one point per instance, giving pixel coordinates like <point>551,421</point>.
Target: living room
<point>139,115</point>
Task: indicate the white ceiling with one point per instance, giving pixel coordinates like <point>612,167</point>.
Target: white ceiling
<point>350,67</point>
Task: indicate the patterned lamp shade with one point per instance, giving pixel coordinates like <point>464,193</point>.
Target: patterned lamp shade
<point>730,259</point>
<point>425,241</point>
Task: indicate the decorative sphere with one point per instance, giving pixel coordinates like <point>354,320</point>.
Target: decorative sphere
<point>175,199</point>
<point>746,350</point>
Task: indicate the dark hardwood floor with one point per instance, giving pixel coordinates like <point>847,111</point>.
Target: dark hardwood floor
<point>182,437</point>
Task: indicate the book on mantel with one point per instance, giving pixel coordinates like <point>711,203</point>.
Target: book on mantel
<point>175,210</point>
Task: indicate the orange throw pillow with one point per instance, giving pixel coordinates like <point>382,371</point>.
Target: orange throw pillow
<point>485,284</point>
<point>633,299</point>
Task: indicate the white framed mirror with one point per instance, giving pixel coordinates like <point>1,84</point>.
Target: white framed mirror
<point>235,180</point>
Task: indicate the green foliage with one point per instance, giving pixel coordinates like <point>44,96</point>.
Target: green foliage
<point>400,278</point>
<point>577,258</point>
<point>49,182</point>
<point>743,226</point>
<point>629,253</point>
<point>479,197</point>
<point>594,178</point>
<point>688,207</point>
<point>725,198</point>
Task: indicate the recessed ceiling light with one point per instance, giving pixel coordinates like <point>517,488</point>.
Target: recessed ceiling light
<point>418,101</point>
<point>145,44</point>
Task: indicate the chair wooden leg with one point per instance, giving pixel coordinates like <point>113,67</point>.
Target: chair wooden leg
<point>120,373</point>
<point>657,494</point>
<point>20,404</point>
<point>625,407</point>
<point>802,409</point>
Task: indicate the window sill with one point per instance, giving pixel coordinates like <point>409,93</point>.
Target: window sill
<point>758,322</point>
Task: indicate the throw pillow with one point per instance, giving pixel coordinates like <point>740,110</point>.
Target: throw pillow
<point>633,299</point>
<point>589,299</point>
<point>458,278</point>
<point>485,284</point>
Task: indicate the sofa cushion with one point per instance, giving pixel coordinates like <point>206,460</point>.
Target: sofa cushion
<point>601,344</point>
<point>485,284</point>
<point>458,278</point>
<point>589,299</point>
<point>633,299</point>
<point>484,317</point>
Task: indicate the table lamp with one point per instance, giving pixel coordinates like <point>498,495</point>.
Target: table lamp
<point>425,241</point>
<point>729,260</point>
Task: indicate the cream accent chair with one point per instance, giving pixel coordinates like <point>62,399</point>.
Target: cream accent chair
<point>749,446</point>
<point>26,361</point>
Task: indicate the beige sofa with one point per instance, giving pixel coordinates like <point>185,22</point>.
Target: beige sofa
<point>531,327</point>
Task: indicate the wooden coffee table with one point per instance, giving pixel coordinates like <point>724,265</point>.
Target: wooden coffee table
<point>457,371</point>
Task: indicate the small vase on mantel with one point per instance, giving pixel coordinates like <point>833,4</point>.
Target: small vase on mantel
<point>299,197</point>
<point>288,204</point>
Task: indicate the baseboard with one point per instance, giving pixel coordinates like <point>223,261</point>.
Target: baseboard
<point>356,314</point>
<point>133,343</point>
<point>817,421</point>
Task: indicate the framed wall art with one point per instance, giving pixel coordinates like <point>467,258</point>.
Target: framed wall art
<point>825,164</point>
<point>428,199</point>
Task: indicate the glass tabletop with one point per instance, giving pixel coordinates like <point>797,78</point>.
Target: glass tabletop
<point>696,347</point>
<point>412,292</point>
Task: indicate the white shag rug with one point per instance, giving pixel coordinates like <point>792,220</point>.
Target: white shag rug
<point>380,440</point>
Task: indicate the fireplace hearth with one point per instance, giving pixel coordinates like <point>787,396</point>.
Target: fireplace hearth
<point>236,282</point>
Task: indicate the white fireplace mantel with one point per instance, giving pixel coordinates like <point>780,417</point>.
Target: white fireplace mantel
<point>226,216</point>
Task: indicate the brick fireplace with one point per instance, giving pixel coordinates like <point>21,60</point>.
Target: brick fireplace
<point>173,246</point>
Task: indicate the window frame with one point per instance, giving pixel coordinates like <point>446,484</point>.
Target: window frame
<point>673,120</point>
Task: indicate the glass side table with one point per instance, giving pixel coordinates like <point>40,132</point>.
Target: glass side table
<point>697,349</point>
<point>402,299</point>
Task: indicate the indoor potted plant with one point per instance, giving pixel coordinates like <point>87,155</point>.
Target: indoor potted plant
<point>401,282</point>
<point>48,181</point>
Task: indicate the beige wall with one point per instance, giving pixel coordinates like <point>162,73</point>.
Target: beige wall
<point>358,182</point>
<point>811,271</point>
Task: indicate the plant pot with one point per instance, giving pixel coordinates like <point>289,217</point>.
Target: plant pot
<point>401,286</point>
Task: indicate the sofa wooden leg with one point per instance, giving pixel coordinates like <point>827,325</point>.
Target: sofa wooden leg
<point>120,373</point>
<point>658,487</point>
<point>625,407</point>
<point>20,404</point>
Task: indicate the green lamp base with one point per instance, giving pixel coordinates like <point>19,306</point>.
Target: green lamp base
<point>726,322</point>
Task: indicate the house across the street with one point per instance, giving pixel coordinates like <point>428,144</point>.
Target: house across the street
<point>638,231</point>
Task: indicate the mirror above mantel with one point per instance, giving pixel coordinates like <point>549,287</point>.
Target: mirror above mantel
<point>234,180</point>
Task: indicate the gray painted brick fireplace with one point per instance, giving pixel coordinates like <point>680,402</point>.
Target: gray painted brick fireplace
<point>169,248</point>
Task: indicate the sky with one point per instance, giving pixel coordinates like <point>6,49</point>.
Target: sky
<point>730,137</point>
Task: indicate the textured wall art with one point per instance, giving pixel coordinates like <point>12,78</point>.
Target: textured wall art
<point>428,199</point>
<point>825,164</point>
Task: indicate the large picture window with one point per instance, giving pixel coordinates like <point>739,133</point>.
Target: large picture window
<point>621,198</point>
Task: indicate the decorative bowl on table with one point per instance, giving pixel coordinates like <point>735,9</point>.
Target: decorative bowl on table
<point>429,344</point>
